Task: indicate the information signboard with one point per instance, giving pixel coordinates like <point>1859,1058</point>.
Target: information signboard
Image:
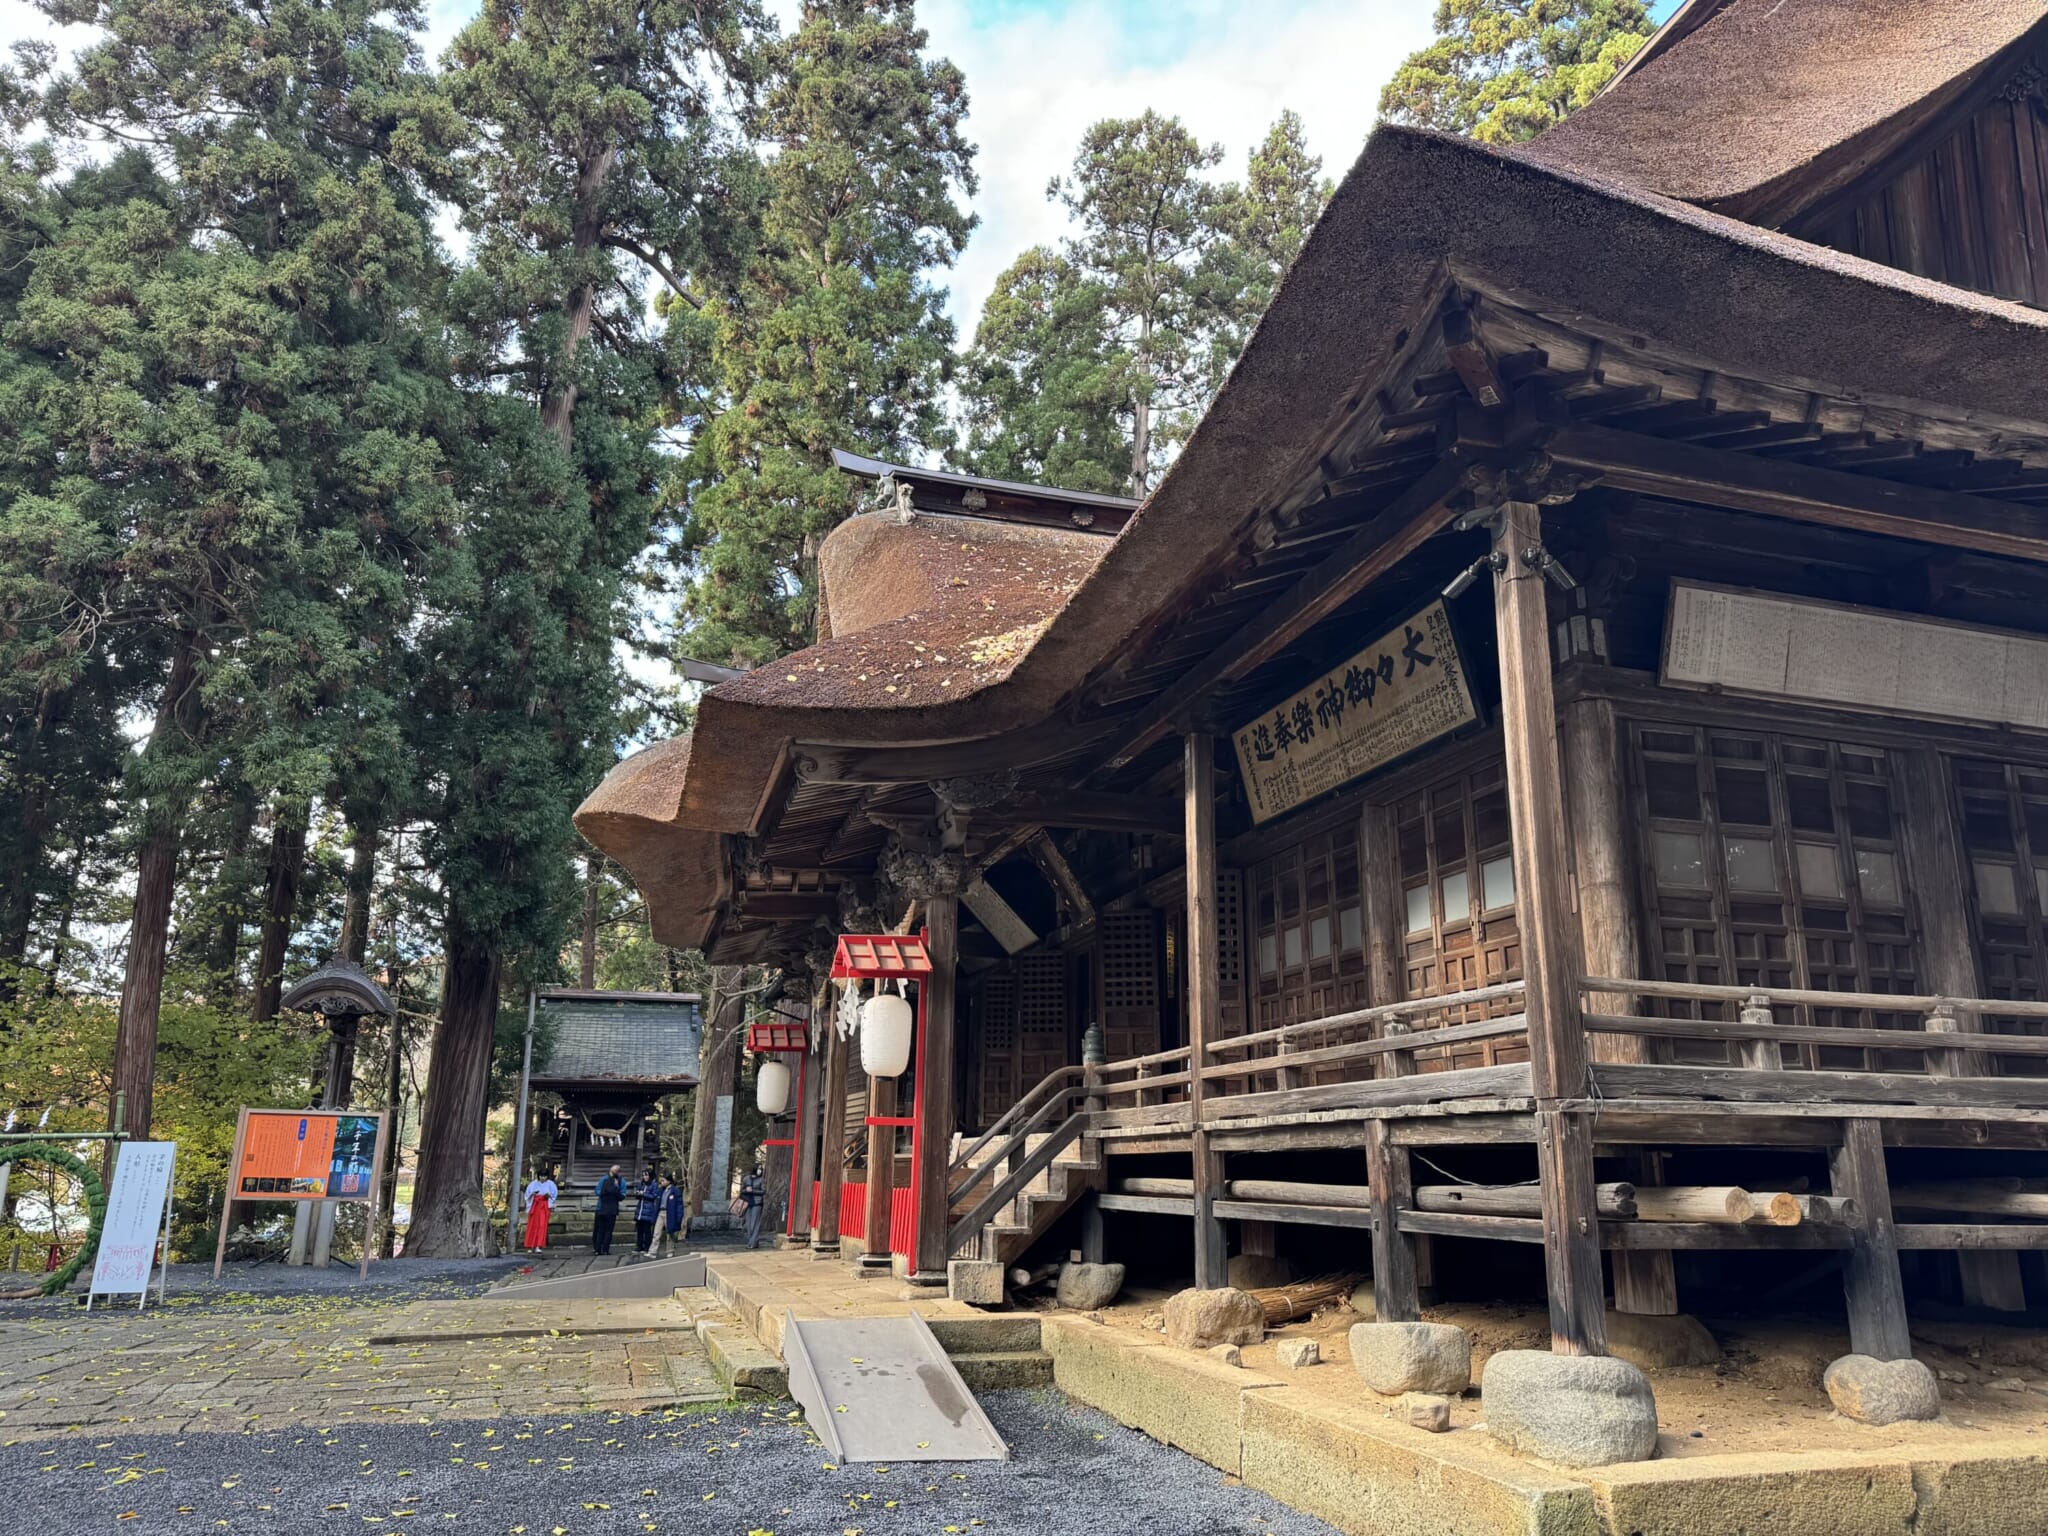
<point>138,1213</point>
<point>1405,689</point>
<point>305,1154</point>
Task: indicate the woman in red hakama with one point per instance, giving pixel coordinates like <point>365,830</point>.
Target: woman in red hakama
<point>540,1204</point>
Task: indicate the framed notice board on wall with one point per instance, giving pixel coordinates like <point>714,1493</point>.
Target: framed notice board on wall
<point>305,1154</point>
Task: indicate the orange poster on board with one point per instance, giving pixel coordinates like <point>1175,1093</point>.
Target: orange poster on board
<point>306,1155</point>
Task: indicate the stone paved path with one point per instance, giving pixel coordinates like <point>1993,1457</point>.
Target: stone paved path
<point>216,1367</point>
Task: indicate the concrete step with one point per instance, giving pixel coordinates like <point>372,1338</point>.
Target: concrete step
<point>995,1333</point>
<point>999,1370</point>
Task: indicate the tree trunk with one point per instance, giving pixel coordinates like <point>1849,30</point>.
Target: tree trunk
<point>448,1220</point>
<point>1141,416</point>
<point>280,900</point>
<point>149,932</point>
<point>225,952</point>
<point>366,835</point>
<point>716,1071</point>
<point>558,410</point>
<point>595,878</point>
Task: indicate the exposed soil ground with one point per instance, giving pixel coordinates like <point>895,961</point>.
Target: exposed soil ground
<point>1764,1395</point>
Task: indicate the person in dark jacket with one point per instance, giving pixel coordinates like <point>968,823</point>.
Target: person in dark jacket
<point>753,1197</point>
<point>645,1211</point>
<point>611,1192</point>
<point>673,1220</point>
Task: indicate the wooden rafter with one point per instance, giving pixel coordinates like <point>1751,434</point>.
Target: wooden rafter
<point>1806,492</point>
<point>1408,522</point>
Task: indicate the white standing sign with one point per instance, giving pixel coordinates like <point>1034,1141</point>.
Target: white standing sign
<point>138,1212</point>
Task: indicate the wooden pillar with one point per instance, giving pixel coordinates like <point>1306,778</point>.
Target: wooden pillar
<point>1386,967</point>
<point>1379,878</point>
<point>1611,940</point>
<point>1396,1289</point>
<point>809,1113</point>
<point>881,1169</point>
<point>1093,1243</point>
<point>1557,1039</point>
<point>832,1141</point>
<point>1205,996</point>
<point>935,1108</point>
<point>1870,1275</point>
<point>1935,862</point>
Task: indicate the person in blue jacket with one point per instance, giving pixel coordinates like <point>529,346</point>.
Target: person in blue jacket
<point>611,1193</point>
<point>673,1220</point>
<point>645,1213</point>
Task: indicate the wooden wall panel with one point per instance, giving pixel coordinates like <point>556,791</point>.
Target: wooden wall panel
<point>1965,209</point>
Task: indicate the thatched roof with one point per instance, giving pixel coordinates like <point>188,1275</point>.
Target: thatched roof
<point>1583,224</point>
<point>1769,105</point>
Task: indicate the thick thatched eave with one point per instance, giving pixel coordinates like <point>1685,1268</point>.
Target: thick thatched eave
<point>1769,106</point>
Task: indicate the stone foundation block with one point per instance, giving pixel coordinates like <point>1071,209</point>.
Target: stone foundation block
<point>978,1282</point>
<point>1575,1410</point>
<point>1084,1287</point>
<point>1392,1358</point>
<point>1229,1354</point>
<point>1882,1391</point>
<point>1203,1319</point>
<point>1187,1401</point>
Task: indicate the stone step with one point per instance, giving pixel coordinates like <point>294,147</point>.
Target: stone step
<point>742,1364</point>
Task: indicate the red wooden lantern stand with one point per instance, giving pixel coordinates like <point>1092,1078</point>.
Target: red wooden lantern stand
<point>894,957</point>
<point>783,1037</point>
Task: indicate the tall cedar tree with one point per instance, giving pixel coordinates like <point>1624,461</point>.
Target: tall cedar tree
<point>599,157</point>
<point>1504,70</point>
<point>60,693</point>
<point>1091,363</point>
<point>833,337</point>
<point>219,364</point>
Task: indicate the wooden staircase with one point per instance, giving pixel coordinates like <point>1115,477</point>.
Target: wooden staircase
<point>1075,1170</point>
<point>1008,1187</point>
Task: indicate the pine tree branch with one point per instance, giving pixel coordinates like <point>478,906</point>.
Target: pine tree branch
<point>676,284</point>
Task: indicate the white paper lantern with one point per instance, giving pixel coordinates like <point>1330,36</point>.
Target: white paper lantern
<point>886,1025</point>
<point>771,1088</point>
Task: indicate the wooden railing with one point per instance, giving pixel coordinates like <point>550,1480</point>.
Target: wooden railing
<point>1384,1031</point>
<point>1950,1039</point>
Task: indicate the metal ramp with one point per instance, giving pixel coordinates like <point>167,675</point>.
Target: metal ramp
<point>881,1389</point>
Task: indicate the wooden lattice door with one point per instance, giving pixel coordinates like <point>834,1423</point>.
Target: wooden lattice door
<point>1774,861</point>
<point>1459,926</point>
<point>1129,956</point>
<point>1041,1017</point>
<point>996,1039</point>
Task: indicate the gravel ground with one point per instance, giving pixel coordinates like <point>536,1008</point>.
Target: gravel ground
<point>733,1472</point>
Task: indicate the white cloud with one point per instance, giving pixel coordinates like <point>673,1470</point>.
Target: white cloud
<point>1038,75</point>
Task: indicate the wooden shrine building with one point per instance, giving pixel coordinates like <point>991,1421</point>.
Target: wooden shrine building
<point>613,1057</point>
<point>1576,712</point>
